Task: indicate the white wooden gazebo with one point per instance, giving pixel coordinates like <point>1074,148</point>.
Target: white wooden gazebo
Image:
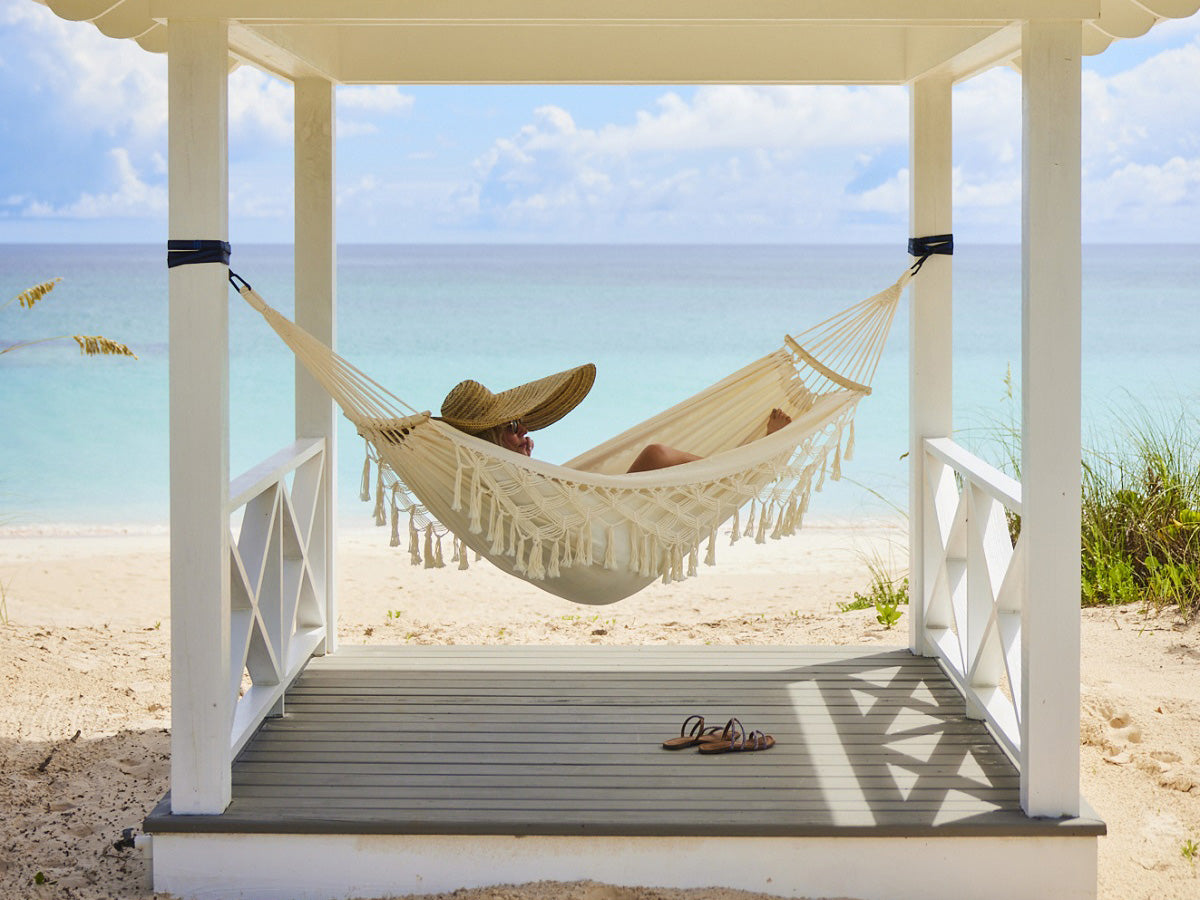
<point>999,624</point>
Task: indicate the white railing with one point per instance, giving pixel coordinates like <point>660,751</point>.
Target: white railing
<point>973,592</point>
<point>277,552</point>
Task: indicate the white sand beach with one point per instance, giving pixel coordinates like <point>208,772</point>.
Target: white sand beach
<point>85,724</point>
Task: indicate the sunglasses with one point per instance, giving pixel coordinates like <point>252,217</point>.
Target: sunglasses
<point>514,427</point>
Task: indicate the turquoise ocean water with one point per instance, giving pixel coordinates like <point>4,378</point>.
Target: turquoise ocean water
<point>84,441</point>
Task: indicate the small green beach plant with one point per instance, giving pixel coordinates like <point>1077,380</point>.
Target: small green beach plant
<point>1189,851</point>
<point>887,612</point>
<point>886,593</point>
<point>89,344</point>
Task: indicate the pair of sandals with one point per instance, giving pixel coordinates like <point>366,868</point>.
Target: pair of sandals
<point>733,738</point>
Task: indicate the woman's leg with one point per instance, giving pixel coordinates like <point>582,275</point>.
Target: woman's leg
<point>660,456</point>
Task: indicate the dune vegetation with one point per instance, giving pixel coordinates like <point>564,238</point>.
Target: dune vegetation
<point>1140,505</point>
<point>89,344</point>
<point>1141,516</point>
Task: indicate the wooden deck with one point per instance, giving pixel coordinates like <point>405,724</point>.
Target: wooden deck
<point>566,741</point>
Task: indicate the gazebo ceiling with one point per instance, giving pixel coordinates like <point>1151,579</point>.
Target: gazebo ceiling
<point>623,41</point>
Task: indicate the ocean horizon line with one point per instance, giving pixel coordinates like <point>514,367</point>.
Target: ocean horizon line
<point>595,244</point>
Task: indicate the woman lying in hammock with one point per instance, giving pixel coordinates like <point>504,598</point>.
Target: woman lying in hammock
<point>507,418</point>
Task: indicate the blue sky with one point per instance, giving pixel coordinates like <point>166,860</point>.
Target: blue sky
<point>83,149</point>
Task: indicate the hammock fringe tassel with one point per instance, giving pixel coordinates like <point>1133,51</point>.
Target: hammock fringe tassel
<point>636,546</point>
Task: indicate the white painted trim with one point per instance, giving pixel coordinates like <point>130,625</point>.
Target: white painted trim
<point>316,306</point>
<point>975,590</point>
<point>278,556</point>
<point>261,701</point>
<point>254,481</point>
<point>322,867</point>
<point>201,710</point>
<point>930,388</point>
<point>1001,487</point>
<point>1050,416</point>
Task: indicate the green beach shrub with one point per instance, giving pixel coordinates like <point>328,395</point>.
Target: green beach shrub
<point>1140,507</point>
<point>1141,516</point>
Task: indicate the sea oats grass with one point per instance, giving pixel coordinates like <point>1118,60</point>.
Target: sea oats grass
<point>1140,526</point>
<point>89,344</point>
<point>96,345</point>
<point>1139,505</point>
<point>28,299</point>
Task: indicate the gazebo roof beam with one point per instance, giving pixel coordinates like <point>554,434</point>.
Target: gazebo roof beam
<point>643,54</point>
<point>1001,47</point>
<point>624,41</point>
<point>289,52</point>
<point>327,12</point>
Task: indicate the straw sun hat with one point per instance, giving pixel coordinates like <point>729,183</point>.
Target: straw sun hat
<point>473,408</point>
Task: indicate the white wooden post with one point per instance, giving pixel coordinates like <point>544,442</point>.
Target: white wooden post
<point>201,705</point>
<point>1050,412</point>
<point>930,385</point>
<point>316,301</point>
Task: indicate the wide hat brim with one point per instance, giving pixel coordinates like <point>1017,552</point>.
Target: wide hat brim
<point>472,407</point>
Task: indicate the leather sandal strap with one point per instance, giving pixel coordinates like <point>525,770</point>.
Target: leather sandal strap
<point>733,728</point>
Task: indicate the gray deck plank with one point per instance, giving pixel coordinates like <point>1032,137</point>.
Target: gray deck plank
<point>320,785</point>
<point>566,740</point>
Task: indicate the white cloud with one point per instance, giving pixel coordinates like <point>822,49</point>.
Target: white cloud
<point>1149,110</point>
<point>360,106</point>
<point>1141,148</point>
<point>1138,191</point>
<point>794,159</point>
<point>106,86</point>
<point>254,200</point>
<point>727,157</point>
<point>351,128</point>
<point>131,197</point>
<point>987,118</point>
<point>261,107</point>
<point>889,197</point>
<point>115,87</point>
<point>739,162</point>
<point>737,117</point>
<point>382,98</point>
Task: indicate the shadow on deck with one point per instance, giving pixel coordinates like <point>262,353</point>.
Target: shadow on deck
<point>566,741</point>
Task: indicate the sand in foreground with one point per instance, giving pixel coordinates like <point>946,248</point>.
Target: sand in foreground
<point>86,680</point>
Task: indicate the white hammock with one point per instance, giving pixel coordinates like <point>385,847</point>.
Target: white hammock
<point>587,531</point>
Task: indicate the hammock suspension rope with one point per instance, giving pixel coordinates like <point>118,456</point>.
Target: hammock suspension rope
<point>586,530</point>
